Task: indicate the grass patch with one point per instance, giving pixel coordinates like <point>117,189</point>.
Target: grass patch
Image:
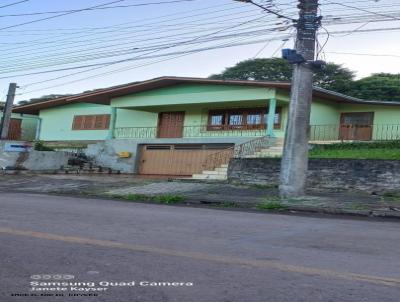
<point>165,199</point>
<point>169,199</point>
<point>261,186</point>
<point>270,206</point>
<point>391,196</point>
<point>360,150</point>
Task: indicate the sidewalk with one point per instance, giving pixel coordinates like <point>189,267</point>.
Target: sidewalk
<point>212,194</point>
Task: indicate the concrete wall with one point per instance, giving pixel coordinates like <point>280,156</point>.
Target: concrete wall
<point>106,153</point>
<point>33,160</point>
<point>346,174</point>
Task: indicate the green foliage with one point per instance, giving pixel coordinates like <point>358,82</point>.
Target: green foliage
<point>271,205</point>
<point>333,77</point>
<point>166,199</point>
<point>169,199</point>
<point>39,146</point>
<point>375,150</point>
<point>273,69</point>
<point>360,145</point>
<point>379,86</point>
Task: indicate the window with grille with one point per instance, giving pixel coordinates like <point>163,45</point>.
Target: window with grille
<point>243,118</point>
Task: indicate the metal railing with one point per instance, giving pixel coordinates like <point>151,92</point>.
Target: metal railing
<point>192,132</point>
<point>223,157</point>
<point>344,132</point>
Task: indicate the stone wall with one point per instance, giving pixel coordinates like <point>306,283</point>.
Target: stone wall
<point>347,174</point>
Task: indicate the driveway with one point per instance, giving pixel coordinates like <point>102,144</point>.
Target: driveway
<point>196,254</point>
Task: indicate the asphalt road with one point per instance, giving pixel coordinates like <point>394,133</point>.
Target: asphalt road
<point>214,255</point>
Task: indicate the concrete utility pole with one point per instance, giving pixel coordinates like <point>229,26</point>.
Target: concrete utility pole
<point>5,121</point>
<point>295,152</point>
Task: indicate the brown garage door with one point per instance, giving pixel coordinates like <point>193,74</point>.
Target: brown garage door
<point>179,160</point>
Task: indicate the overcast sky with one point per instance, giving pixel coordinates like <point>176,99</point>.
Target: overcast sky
<point>33,43</point>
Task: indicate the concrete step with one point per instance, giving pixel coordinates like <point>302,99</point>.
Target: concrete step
<point>210,176</point>
<point>225,170</point>
<point>224,166</point>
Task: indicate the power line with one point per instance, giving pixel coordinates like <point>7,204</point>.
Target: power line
<point>364,10</point>
<point>364,54</point>
<point>60,15</point>
<point>15,3</point>
<point>96,8</point>
<point>134,58</point>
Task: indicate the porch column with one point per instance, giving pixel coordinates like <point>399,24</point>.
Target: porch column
<point>113,118</point>
<point>271,117</point>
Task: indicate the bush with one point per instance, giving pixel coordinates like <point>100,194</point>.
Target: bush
<point>39,146</point>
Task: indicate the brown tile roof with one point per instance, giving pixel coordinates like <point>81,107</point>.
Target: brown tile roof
<point>103,96</point>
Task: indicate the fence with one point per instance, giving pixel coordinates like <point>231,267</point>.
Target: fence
<point>190,132</point>
<point>377,132</point>
<point>223,157</point>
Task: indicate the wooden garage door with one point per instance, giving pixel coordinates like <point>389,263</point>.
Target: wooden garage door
<point>179,160</point>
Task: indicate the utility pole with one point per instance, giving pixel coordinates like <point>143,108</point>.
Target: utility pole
<point>5,121</point>
<point>295,151</point>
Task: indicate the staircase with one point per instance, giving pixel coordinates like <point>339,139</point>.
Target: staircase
<point>217,164</point>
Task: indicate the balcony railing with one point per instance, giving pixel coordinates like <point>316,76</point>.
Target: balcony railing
<point>331,132</point>
<point>190,132</point>
<point>344,132</point>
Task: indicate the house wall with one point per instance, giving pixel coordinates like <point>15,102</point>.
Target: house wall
<point>57,122</point>
<point>193,94</point>
<point>28,125</point>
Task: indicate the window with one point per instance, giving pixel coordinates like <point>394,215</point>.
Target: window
<point>245,118</point>
<point>91,122</point>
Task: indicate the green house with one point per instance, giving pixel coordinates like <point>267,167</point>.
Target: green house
<point>22,126</point>
<point>199,117</point>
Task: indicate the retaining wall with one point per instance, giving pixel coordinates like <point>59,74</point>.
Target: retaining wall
<point>363,175</point>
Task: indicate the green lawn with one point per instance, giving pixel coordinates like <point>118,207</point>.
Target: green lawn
<point>379,150</point>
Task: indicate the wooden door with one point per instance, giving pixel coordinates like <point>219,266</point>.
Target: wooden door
<point>356,126</point>
<point>14,131</point>
<point>170,124</point>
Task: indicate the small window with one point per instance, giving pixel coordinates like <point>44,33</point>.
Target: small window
<point>91,122</point>
<point>235,119</point>
<point>254,118</point>
<point>217,119</point>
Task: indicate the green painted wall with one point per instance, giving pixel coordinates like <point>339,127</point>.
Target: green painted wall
<point>193,94</point>
<point>57,122</point>
<point>382,114</point>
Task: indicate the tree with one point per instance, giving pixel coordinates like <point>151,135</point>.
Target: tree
<point>378,86</point>
<point>332,77</point>
<point>273,69</point>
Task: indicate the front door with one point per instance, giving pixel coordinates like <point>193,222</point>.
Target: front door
<point>356,126</point>
<point>170,124</point>
<point>14,130</point>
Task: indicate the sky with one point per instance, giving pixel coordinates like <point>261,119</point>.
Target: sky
<point>55,43</point>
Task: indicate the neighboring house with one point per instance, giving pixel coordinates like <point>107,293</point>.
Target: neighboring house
<point>184,120</point>
<point>22,126</point>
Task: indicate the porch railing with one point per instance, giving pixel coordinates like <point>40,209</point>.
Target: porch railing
<point>344,132</point>
<point>191,132</point>
<point>223,157</point>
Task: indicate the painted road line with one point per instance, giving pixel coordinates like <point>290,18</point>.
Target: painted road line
<point>393,282</point>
